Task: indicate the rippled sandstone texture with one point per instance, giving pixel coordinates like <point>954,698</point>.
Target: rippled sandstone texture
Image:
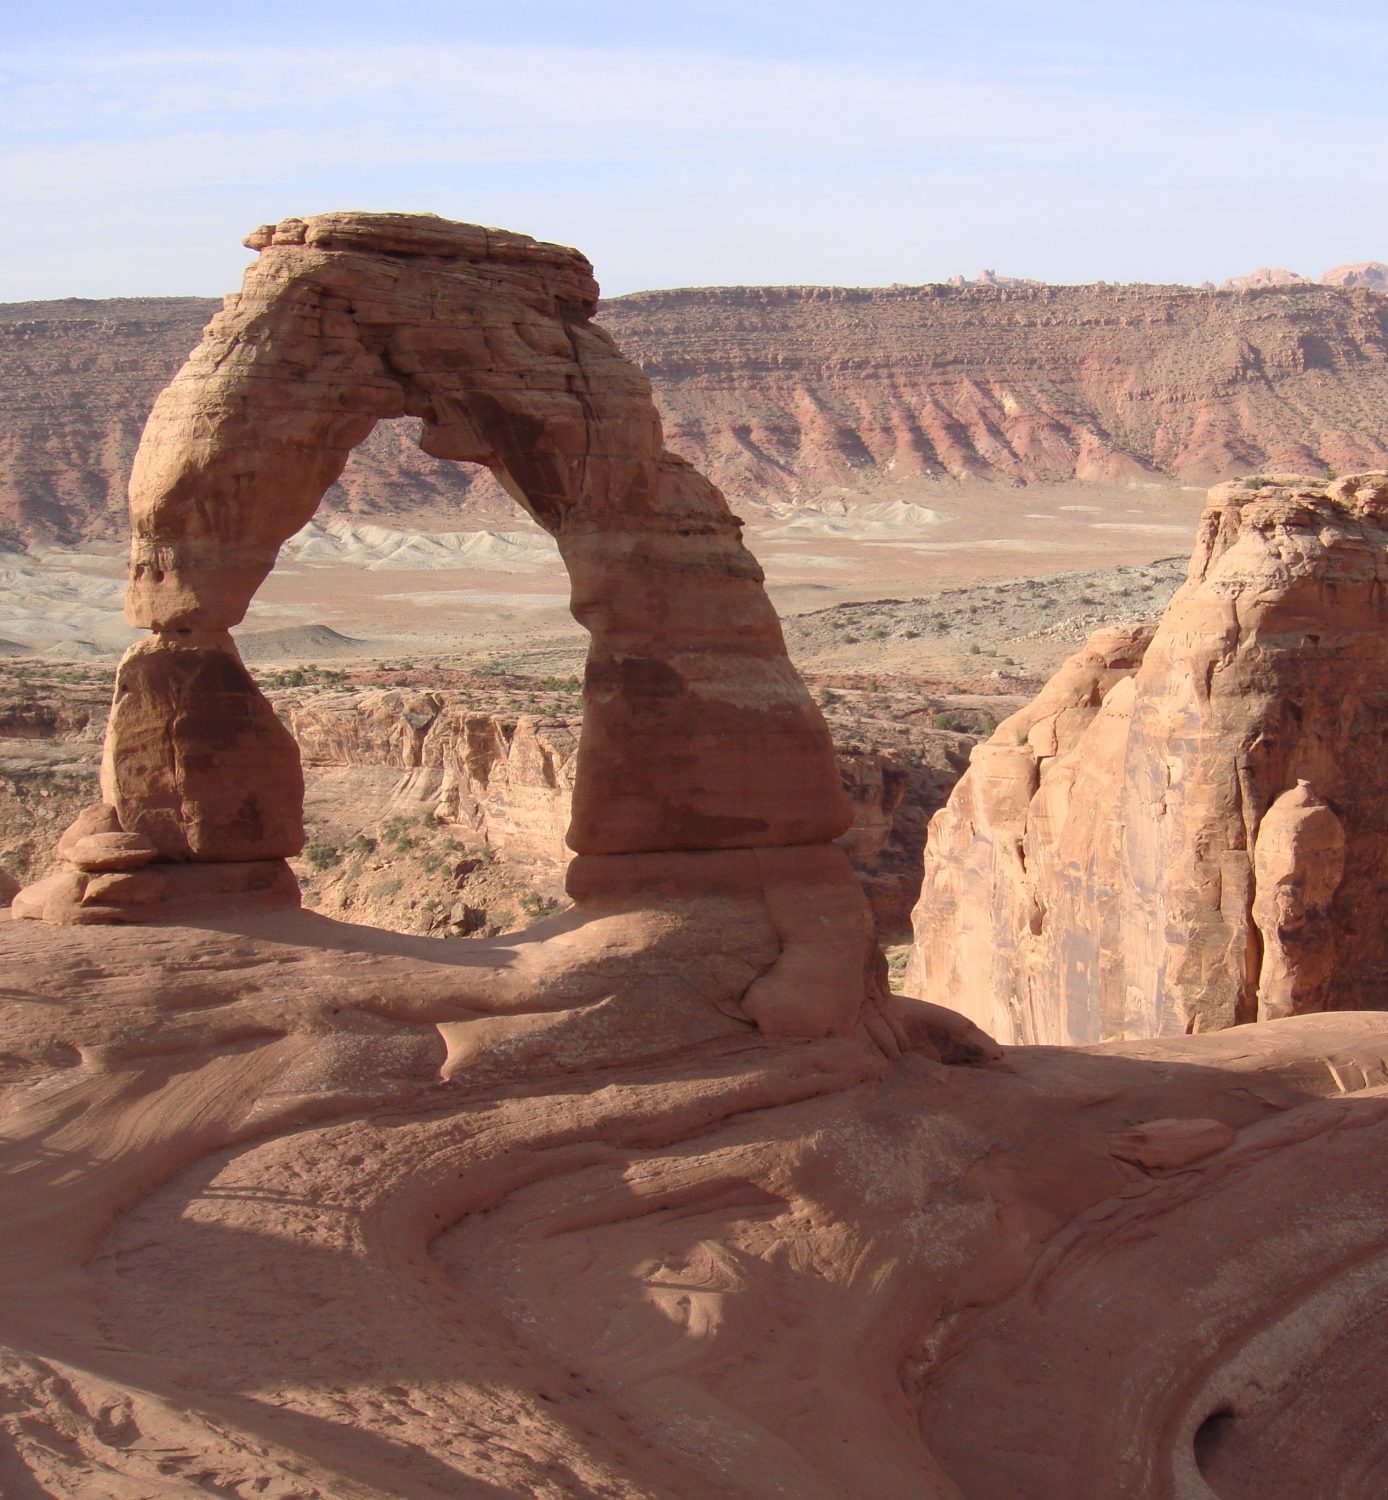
<point>780,392</point>
<point>1192,831</point>
<point>298,1209</point>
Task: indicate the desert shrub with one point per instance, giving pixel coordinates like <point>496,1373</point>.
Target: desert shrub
<point>535,906</point>
<point>321,856</point>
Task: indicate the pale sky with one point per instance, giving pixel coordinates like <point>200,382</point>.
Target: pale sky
<point>701,143</point>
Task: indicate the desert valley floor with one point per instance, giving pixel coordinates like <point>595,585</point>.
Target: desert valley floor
<point>500,593</point>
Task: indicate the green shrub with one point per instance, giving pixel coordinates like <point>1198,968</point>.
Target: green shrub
<point>321,856</point>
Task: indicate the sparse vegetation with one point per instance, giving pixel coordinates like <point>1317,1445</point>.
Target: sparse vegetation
<point>321,856</point>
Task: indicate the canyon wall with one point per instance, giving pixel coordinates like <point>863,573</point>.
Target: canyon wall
<point>779,393</point>
<point>1188,831</point>
<point>506,780</point>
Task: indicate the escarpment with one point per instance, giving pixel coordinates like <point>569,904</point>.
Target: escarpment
<point>777,393</point>
<point>1188,831</point>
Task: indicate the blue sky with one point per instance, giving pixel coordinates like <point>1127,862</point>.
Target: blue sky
<point>701,143</point>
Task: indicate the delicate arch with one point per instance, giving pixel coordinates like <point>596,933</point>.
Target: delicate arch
<point>697,733</point>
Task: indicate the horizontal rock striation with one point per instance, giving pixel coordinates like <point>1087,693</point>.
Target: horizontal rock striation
<point>1190,831</point>
<point>778,392</point>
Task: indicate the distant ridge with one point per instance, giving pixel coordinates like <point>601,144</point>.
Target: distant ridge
<point>785,393</point>
<point>1367,273</point>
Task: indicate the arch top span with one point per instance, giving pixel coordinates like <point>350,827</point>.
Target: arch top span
<point>698,734</point>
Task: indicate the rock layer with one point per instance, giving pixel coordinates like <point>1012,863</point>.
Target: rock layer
<point>1135,854</point>
<point>784,391</point>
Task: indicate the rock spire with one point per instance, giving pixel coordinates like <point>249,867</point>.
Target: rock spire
<point>1187,832</point>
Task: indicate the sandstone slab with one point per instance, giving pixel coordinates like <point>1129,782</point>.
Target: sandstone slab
<point>100,852</point>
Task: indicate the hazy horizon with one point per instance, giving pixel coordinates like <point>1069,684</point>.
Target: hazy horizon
<point>718,144</point>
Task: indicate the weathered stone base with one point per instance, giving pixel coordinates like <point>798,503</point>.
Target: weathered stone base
<point>156,893</point>
<point>829,960</point>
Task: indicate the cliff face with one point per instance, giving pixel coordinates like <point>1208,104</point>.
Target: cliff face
<point>506,780</point>
<point>782,392</point>
<point>1189,833</point>
<point>78,378</point>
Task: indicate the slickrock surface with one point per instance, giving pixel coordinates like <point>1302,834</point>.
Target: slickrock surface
<point>779,392</point>
<point>1188,832</point>
<point>304,1210</point>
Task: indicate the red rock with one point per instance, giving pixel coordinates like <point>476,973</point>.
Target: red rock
<point>784,392</point>
<point>1369,273</point>
<point>1263,277</point>
<point>546,1216</point>
<point>1167,1145</point>
<point>196,761</point>
<point>1298,864</point>
<point>99,852</point>
<point>697,732</point>
<point>100,817</point>
<point>698,736</point>
<point>126,888</point>
<point>1101,870</point>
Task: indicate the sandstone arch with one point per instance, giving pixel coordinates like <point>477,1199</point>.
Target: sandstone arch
<point>698,734</point>
<point>703,762</point>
